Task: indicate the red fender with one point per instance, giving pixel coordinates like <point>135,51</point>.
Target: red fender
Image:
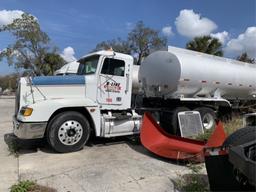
<point>156,140</point>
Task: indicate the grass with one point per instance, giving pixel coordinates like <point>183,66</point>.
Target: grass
<point>204,136</point>
<point>30,186</point>
<point>233,125</point>
<point>194,181</point>
<point>229,127</point>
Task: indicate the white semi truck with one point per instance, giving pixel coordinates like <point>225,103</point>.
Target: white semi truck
<point>109,95</point>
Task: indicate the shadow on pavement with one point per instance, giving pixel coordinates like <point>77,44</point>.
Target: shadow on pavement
<point>24,146</point>
<point>138,147</point>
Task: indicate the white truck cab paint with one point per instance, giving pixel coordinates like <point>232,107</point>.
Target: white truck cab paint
<point>109,79</point>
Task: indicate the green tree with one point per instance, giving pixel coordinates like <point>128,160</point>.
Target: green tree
<point>31,46</point>
<point>8,81</point>
<point>143,40</point>
<point>206,44</point>
<point>117,45</point>
<point>245,58</point>
<point>52,62</point>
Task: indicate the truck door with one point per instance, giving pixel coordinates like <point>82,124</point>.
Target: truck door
<point>112,83</point>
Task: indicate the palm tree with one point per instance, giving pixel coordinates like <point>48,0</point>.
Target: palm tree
<point>245,58</point>
<point>206,44</point>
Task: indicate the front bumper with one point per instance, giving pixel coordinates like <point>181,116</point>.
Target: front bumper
<point>28,130</point>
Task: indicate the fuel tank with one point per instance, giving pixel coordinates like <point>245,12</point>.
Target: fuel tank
<point>183,73</point>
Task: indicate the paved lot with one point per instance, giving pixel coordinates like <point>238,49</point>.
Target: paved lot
<point>104,166</point>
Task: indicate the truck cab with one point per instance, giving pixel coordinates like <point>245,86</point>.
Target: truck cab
<point>67,110</point>
<point>108,79</point>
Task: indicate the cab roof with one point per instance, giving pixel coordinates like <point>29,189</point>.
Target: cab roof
<point>109,53</point>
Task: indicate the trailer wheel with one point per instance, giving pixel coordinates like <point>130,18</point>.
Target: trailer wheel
<point>208,117</point>
<point>241,136</point>
<point>68,132</point>
<point>169,120</point>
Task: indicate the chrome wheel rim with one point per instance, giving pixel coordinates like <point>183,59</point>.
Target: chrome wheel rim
<point>70,132</point>
<point>208,121</point>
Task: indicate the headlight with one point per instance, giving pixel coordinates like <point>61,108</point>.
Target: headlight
<point>26,111</point>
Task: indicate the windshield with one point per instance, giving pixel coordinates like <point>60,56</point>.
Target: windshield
<point>88,65</point>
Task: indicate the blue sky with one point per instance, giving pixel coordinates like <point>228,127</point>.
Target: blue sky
<point>80,25</point>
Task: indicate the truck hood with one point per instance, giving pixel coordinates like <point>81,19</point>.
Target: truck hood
<point>59,80</point>
<point>41,88</point>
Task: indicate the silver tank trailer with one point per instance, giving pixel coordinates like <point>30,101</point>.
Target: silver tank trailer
<point>183,73</point>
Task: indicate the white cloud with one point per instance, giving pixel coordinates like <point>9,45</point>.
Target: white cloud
<point>221,36</point>
<point>191,24</point>
<point>68,54</point>
<point>167,30</point>
<point>7,16</point>
<point>245,42</point>
<point>129,25</point>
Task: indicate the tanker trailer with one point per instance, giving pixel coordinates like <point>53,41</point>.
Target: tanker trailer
<point>180,80</point>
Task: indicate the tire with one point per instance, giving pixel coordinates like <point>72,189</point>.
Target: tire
<point>208,117</point>
<point>169,120</point>
<point>241,136</point>
<point>68,131</point>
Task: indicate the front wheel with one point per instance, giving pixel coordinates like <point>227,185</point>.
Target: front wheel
<point>68,132</point>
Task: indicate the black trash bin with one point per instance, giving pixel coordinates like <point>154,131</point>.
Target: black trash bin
<point>220,170</point>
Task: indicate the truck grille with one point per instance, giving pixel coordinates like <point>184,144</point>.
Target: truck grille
<point>190,123</point>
